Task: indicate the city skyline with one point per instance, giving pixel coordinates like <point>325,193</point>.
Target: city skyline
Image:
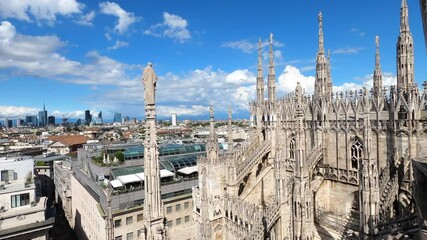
<point>202,57</point>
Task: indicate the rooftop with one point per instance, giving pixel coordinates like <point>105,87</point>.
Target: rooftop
<point>69,140</point>
<point>117,172</point>
<point>16,186</point>
<point>49,158</point>
<point>165,150</point>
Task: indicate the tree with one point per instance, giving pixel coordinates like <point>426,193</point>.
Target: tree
<point>119,155</point>
<point>40,163</point>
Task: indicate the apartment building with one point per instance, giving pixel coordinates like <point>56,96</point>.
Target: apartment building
<point>23,212</point>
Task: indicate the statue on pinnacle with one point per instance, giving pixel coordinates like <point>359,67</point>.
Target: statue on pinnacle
<point>149,79</point>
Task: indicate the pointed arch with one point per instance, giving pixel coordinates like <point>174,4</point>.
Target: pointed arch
<point>356,153</point>
<point>292,148</point>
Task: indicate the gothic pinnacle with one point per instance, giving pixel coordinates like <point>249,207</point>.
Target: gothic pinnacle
<point>404,22</point>
<point>377,54</point>
<point>260,78</point>
<point>211,115</point>
<point>271,69</point>
<point>259,59</point>
<point>377,72</point>
<point>271,74</point>
<point>321,49</point>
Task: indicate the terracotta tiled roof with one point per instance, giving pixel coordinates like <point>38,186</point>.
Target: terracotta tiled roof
<point>69,140</point>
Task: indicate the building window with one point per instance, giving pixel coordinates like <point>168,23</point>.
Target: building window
<point>169,223</point>
<point>178,221</point>
<point>129,220</point>
<point>178,207</point>
<point>187,218</point>
<point>117,223</point>
<point>118,237</point>
<point>186,205</point>
<point>169,209</point>
<point>292,149</point>
<point>356,153</point>
<point>20,200</point>
<point>139,217</point>
<point>129,236</point>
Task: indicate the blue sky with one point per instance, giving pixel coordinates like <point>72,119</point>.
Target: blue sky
<point>76,55</point>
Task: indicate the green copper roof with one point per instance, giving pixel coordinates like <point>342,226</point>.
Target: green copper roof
<point>117,172</point>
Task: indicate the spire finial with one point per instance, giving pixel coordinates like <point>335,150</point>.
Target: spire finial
<point>259,58</point>
<point>211,111</point>
<point>320,18</point>
<point>260,78</point>
<point>404,22</point>
<point>377,54</point>
<point>271,72</point>
<point>377,80</point>
<point>230,131</point>
<point>211,115</point>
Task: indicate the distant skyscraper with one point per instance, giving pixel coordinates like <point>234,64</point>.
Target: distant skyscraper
<point>64,121</point>
<point>20,122</point>
<point>126,119</point>
<point>31,121</point>
<point>8,123</point>
<point>99,119</point>
<point>174,119</point>
<point>51,120</point>
<point>43,117</point>
<point>88,117</point>
<point>79,122</point>
<point>27,120</point>
<point>118,117</point>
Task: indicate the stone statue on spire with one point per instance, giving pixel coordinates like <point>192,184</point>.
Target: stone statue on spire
<point>149,79</point>
<point>211,110</point>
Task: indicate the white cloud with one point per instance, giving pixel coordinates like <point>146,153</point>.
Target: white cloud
<point>358,32</point>
<point>347,86</point>
<point>35,56</point>
<point>187,94</point>
<point>72,114</point>
<point>367,81</point>
<point>173,26</point>
<point>46,10</point>
<point>249,47</point>
<point>347,50</point>
<point>240,77</point>
<point>15,47</point>
<point>16,112</point>
<point>86,19</point>
<point>181,110</point>
<point>277,55</point>
<point>243,45</point>
<point>7,31</point>
<point>118,44</point>
<point>125,19</point>
<point>388,79</point>
<point>287,80</point>
<point>242,96</point>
